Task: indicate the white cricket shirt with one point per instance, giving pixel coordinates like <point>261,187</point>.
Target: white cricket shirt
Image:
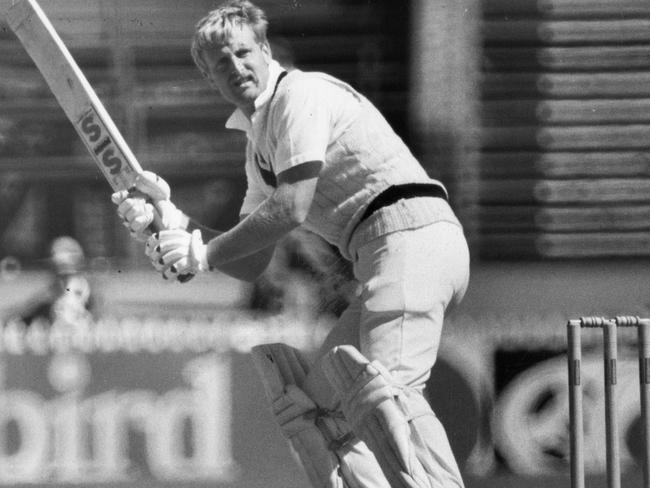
<point>315,117</point>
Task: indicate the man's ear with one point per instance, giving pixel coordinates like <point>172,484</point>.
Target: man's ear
<point>266,49</point>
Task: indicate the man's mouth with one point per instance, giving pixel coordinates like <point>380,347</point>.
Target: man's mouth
<point>242,82</point>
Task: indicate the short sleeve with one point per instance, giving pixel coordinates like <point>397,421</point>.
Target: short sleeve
<point>255,193</point>
<point>302,123</point>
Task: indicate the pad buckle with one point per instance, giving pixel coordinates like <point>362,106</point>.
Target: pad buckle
<point>320,416</point>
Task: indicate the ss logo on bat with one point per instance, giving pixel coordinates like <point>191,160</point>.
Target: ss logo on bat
<point>99,142</point>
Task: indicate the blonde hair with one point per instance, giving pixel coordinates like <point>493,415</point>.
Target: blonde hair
<point>214,29</point>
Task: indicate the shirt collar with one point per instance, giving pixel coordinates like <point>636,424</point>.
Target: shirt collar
<point>237,119</point>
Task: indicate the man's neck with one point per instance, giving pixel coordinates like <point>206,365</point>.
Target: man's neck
<point>247,110</point>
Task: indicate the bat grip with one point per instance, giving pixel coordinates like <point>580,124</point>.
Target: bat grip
<point>155,227</point>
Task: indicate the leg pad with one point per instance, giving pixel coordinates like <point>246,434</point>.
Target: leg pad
<point>333,457</point>
<point>394,421</point>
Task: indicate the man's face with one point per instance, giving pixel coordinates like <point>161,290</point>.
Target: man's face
<point>239,69</point>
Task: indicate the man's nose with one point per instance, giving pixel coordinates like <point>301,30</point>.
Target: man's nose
<point>237,65</point>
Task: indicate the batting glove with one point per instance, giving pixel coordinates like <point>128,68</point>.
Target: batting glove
<point>177,253</point>
<point>146,203</point>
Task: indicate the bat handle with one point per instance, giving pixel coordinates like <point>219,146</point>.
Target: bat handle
<point>154,227</point>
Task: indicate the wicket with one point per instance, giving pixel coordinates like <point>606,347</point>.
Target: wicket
<point>574,352</point>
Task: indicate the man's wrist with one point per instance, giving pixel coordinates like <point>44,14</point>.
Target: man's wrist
<point>212,248</point>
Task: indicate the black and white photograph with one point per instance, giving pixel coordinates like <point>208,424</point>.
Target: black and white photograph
<point>324,243</point>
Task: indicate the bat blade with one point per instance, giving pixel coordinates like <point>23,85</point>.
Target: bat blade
<point>74,93</point>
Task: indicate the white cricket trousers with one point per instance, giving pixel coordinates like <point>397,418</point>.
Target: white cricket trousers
<point>407,281</point>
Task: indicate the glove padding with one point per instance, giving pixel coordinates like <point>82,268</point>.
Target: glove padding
<point>177,253</point>
<point>148,203</point>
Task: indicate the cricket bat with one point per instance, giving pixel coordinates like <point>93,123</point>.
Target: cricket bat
<point>74,93</point>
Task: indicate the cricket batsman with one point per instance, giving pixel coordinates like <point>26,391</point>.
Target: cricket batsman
<point>320,155</point>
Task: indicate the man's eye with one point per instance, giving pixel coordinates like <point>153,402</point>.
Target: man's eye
<point>243,53</point>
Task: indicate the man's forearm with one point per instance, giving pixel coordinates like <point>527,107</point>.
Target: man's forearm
<point>271,221</point>
<point>250,267</point>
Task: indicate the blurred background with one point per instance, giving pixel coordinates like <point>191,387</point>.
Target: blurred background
<point>534,113</point>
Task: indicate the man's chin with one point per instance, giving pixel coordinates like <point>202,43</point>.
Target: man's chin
<point>247,96</point>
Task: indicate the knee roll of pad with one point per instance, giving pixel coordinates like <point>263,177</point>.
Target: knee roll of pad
<point>394,421</point>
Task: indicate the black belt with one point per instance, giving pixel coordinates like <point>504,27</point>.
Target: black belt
<point>398,192</point>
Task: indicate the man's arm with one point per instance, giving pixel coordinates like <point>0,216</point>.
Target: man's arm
<point>248,268</point>
<point>283,211</point>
